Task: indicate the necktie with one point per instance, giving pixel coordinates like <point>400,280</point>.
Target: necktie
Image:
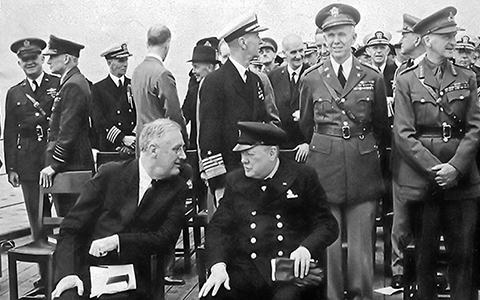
<point>150,192</point>
<point>293,85</point>
<point>35,84</point>
<point>119,83</point>
<point>341,78</point>
<point>439,74</point>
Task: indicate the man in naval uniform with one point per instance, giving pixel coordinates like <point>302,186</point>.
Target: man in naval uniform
<point>436,130</point>
<point>272,208</point>
<point>343,113</point>
<point>114,115</point>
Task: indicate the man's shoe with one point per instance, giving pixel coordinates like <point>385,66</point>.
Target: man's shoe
<point>169,280</point>
<point>397,281</point>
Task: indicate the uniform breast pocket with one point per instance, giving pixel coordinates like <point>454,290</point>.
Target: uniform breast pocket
<point>424,107</point>
<point>322,105</point>
<point>458,100</point>
<point>367,145</point>
<point>363,104</point>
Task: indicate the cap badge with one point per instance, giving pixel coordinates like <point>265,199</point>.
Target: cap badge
<point>26,43</point>
<point>450,17</point>
<point>465,39</point>
<point>207,43</point>
<point>124,47</point>
<point>379,35</point>
<point>334,12</point>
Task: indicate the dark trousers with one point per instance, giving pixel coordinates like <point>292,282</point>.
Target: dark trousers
<point>456,221</point>
<point>247,283</point>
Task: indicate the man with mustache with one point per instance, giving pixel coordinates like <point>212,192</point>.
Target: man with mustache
<point>28,107</point>
<point>436,131</point>
<point>114,110</point>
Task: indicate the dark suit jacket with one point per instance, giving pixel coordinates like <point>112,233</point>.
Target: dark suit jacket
<point>287,103</point>
<point>108,205</point>
<point>113,113</point>
<point>68,140</point>
<point>24,153</point>
<point>291,212</point>
<point>416,106</point>
<point>349,169</point>
<point>155,95</point>
<point>226,99</point>
<point>389,75</point>
<point>189,110</point>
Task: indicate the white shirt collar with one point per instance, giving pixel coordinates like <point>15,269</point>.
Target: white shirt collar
<point>155,56</point>
<point>144,181</point>
<point>274,171</point>
<point>241,69</point>
<point>347,66</point>
<point>291,70</point>
<point>38,80</point>
<point>115,79</point>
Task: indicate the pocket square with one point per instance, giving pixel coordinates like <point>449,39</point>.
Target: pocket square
<point>291,195</point>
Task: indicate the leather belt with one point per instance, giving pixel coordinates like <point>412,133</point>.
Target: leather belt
<point>344,132</point>
<point>445,132</point>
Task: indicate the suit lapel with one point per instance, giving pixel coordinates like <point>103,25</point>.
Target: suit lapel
<point>128,192</point>
<point>285,84</point>
<point>281,181</point>
<point>356,74</point>
<point>69,74</point>
<point>329,76</point>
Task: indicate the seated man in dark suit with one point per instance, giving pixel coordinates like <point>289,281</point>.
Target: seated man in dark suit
<point>127,212</point>
<point>271,208</point>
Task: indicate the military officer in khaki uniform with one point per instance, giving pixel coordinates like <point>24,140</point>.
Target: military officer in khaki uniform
<point>436,130</point>
<point>343,113</point>
<point>27,110</point>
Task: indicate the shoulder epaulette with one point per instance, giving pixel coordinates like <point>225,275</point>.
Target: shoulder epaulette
<point>18,84</point>
<point>314,67</point>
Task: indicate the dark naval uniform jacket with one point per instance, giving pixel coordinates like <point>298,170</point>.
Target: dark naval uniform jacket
<point>345,152</point>
<point>108,205</point>
<point>287,102</point>
<point>436,122</point>
<point>226,99</point>
<point>113,113</point>
<point>68,142</point>
<point>258,220</point>
<point>389,75</point>
<point>25,135</point>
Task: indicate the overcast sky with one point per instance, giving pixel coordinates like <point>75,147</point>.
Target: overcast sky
<point>99,24</point>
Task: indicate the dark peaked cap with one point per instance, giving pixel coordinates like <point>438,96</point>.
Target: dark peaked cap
<point>337,14</point>
<point>255,133</point>
<point>408,22</point>
<point>58,46</point>
<point>440,22</point>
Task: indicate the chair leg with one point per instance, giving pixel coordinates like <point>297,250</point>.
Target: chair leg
<point>49,287</point>
<point>201,269</point>
<point>12,277</point>
<point>186,248</point>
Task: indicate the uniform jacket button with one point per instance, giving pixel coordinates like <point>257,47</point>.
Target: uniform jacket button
<point>254,213</point>
<point>253,255</point>
<point>253,225</point>
<point>253,240</point>
<point>279,224</point>
<point>278,216</point>
<point>280,237</point>
<point>280,253</point>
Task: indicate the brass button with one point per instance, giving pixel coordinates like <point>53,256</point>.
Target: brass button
<point>280,253</point>
<point>253,255</point>
<point>278,216</point>
<point>253,225</point>
<point>253,240</point>
<point>280,238</point>
<point>422,101</point>
<point>279,224</point>
<point>254,213</point>
<point>118,112</point>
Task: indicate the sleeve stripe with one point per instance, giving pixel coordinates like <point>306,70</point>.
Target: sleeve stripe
<point>113,134</point>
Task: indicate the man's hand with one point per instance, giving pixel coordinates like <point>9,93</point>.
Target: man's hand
<point>217,277</point>
<point>101,247</point>
<point>302,152</point>
<point>296,115</point>
<point>128,140</point>
<point>46,177</point>
<point>301,266</point>
<point>446,175</point>
<point>13,179</point>
<point>314,278</point>
<point>66,283</point>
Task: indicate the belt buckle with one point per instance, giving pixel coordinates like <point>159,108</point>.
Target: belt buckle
<point>446,131</point>
<point>39,131</point>
<point>346,132</point>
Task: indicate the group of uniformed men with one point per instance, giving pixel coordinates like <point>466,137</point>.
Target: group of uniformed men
<point>371,127</point>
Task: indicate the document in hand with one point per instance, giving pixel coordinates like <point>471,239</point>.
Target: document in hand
<point>112,279</point>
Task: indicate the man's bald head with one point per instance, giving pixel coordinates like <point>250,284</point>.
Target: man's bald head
<point>293,49</point>
<point>158,35</point>
<point>291,41</point>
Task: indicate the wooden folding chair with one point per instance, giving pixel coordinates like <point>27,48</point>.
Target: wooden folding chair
<point>40,250</point>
